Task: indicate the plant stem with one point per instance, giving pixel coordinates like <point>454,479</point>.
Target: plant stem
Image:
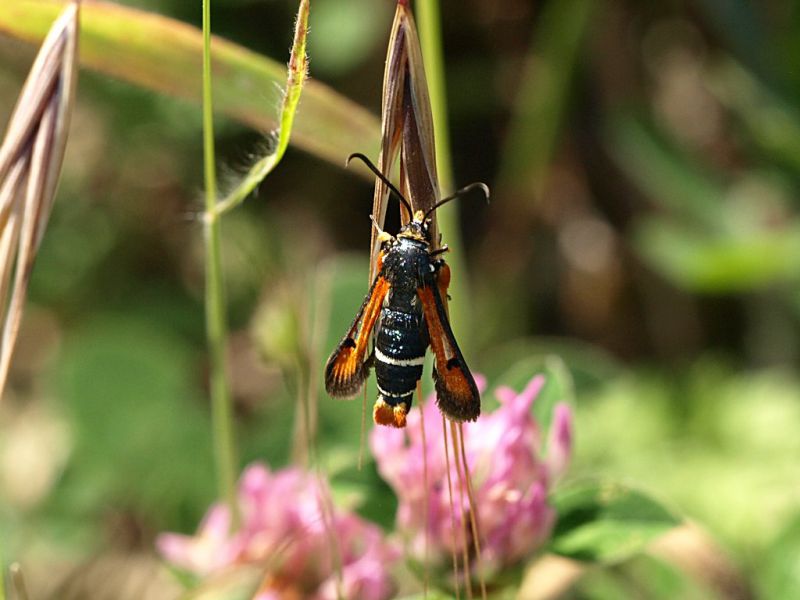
<point>430,38</point>
<point>216,327</point>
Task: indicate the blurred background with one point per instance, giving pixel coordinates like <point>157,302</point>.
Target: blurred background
<point>642,244</point>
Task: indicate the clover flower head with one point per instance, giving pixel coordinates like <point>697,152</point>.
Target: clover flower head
<point>307,547</point>
<point>510,479</point>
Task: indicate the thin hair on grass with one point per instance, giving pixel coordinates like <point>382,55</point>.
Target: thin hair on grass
<point>322,281</point>
<point>473,510</point>
<point>464,521</point>
<point>452,510</point>
<point>325,505</point>
<point>426,496</point>
<point>236,168</point>
<point>326,509</point>
<point>362,436</point>
<point>297,76</point>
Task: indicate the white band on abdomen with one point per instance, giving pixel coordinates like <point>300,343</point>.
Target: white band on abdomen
<point>399,362</point>
<point>383,392</point>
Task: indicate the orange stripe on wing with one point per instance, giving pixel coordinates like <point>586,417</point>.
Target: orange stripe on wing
<point>456,392</point>
<point>345,372</point>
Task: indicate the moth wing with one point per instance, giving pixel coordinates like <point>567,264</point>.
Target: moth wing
<point>456,393</point>
<point>346,369</point>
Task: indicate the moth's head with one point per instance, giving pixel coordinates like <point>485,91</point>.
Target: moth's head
<point>418,228</point>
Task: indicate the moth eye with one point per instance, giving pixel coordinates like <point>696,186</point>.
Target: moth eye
<point>452,363</point>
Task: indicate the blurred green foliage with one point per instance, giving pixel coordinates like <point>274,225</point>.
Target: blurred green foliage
<point>640,249</point>
<point>606,523</point>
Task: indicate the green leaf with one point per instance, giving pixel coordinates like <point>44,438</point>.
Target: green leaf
<point>165,55</point>
<point>606,522</point>
<point>642,577</point>
<point>661,579</point>
<point>779,574</point>
<point>719,263</point>
<point>130,393</point>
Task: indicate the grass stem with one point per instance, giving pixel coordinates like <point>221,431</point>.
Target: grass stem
<point>430,38</point>
<point>216,326</point>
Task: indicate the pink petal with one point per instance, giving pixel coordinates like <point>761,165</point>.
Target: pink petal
<point>530,392</point>
<point>216,524</point>
<point>505,394</point>
<point>480,381</point>
<point>559,446</point>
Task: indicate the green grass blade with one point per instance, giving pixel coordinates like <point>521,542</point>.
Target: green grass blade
<point>216,324</point>
<point>430,37</point>
<point>165,55</point>
<point>668,176</point>
<point>544,93</point>
<point>298,73</point>
<point>769,119</point>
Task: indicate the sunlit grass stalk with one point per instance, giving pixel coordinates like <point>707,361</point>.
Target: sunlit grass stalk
<point>430,38</point>
<point>543,95</point>
<point>298,70</point>
<point>216,326</point>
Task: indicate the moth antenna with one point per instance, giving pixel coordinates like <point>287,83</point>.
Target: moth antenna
<point>383,178</point>
<point>466,189</point>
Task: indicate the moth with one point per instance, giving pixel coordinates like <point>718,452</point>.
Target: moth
<point>406,311</point>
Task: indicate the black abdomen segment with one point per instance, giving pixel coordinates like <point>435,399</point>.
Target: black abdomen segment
<point>399,354</point>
